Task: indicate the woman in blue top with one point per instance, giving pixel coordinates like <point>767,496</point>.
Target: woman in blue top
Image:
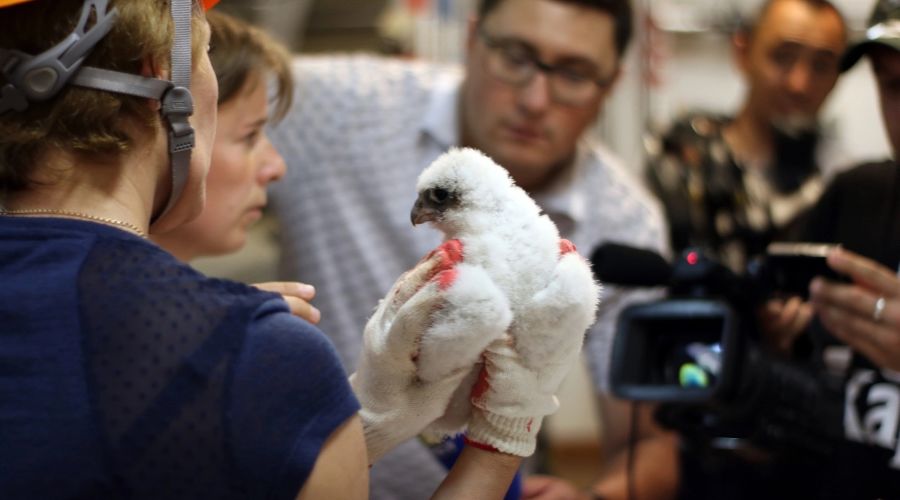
<point>123,372</point>
<point>126,374</point>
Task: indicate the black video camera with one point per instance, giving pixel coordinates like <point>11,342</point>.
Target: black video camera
<point>697,352</point>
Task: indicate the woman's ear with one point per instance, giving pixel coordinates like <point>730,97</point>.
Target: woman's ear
<point>150,69</point>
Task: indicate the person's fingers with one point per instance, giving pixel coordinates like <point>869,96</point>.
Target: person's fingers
<point>865,316</point>
<point>792,307</point>
<point>772,308</point>
<point>783,320</point>
<point>769,318</point>
<point>866,272</point>
<point>402,330</point>
<point>302,309</point>
<point>410,283</point>
<point>787,314</point>
<point>795,316</point>
<point>296,295</point>
<point>852,300</point>
<point>438,263</point>
<point>877,342</point>
<point>291,288</point>
<point>802,318</point>
<point>770,315</point>
<point>550,488</point>
<point>533,486</point>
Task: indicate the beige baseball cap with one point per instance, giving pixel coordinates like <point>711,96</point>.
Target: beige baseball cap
<point>883,29</point>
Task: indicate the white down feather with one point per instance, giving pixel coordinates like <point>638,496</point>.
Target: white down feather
<point>553,299</point>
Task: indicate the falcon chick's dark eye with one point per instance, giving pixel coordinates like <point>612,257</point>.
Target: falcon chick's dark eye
<point>438,195</point>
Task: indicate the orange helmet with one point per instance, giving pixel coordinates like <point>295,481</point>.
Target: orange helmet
<point>207,4</point>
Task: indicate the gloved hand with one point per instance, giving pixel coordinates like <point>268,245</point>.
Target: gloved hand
<point>523,370</point>
<point>424,338</point>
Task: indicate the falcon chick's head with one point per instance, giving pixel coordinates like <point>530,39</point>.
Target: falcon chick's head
<point>464,188</point>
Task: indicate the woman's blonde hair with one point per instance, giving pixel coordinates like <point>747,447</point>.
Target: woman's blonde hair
<point>240,52</point>
<point>78,120</point>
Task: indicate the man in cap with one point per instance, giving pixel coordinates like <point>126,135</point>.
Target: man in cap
<point>861,211</point>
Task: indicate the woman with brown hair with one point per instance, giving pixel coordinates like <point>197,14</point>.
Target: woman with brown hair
<point>246,61</point>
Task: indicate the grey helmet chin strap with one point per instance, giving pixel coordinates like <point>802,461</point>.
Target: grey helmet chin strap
<point>41,77</point>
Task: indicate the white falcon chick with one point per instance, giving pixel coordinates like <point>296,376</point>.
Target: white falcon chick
<point>549,287</point>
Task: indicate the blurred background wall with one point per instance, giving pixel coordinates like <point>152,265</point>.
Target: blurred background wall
<point>680,59</point>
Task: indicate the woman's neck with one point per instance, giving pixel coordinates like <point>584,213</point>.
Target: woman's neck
<point>176,244</point>
<point>120,189</point>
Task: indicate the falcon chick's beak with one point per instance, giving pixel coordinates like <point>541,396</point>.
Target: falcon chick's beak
<point>422,212</point>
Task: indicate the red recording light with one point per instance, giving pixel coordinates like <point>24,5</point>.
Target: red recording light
<point>692,258</point>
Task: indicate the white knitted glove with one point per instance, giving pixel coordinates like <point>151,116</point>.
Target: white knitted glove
<point>425,337</point>
<point>523,370</point>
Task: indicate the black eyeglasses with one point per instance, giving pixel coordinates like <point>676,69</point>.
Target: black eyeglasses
<point>516,63</point>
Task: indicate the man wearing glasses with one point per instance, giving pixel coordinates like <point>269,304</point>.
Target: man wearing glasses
<point>536,75</point>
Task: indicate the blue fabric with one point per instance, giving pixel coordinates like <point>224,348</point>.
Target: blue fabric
<point>126,374</point>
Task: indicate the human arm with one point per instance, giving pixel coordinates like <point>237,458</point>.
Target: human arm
<point>297,295</point>
<point>480,474</point>
<point>654,470</point>
<point>851,311</point>
<point>652,463</point>
<point>341,470</point>
<point>290,401</point>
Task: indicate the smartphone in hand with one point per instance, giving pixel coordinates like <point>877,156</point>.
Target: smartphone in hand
<point>788,268</point>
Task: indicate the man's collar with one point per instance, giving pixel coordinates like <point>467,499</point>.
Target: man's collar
<point>565,200</point>
<point>441,119</point>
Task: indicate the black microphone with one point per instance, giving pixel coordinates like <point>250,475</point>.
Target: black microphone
<point>619,264</point>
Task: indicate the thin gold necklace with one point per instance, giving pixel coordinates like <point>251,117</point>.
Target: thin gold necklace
<point>106,220</point>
